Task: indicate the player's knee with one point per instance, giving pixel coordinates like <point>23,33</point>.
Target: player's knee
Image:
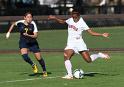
<point>65,55</point>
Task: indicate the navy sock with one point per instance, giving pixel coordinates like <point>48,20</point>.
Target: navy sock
<point>42,63</point>
<point>27,59</point>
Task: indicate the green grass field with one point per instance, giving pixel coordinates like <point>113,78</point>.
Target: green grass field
<point>14,72</point>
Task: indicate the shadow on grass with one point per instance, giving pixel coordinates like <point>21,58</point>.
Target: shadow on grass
<point>38,74</point>
<point>35,74</point>
<point>92,74</point>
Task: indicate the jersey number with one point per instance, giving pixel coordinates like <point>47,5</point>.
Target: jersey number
<point>26,30</point>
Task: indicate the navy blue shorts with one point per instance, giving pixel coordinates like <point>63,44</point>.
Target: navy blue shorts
<point>32,46</point>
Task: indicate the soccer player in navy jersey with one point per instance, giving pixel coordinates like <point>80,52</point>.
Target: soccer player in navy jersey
<point>28,35</point>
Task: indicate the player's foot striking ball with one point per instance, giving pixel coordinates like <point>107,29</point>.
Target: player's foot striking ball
<point>75,42</point>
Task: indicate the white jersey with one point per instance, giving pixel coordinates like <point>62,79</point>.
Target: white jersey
<point>75,29</point>
<point>22,21</point>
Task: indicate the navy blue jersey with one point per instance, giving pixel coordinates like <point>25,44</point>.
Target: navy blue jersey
<point>29,29</point>
<point>26,41</point>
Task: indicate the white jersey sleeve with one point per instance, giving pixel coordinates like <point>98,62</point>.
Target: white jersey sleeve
<point>84,25</point>
<point>35,26</point>
<point>68,21</point>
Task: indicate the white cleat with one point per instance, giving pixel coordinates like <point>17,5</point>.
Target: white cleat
<point>104,55</point>
<point>67,77</point>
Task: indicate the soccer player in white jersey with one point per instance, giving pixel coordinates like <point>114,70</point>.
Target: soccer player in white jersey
<point>75,42</point>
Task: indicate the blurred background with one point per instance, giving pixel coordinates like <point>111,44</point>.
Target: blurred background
<point>96,13</point>
<point>60,7</point>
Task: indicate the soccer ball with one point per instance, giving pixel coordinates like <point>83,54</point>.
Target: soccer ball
<point>78,73</point>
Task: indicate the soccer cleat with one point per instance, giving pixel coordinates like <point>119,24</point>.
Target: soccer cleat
<point>34,67</point>
<point>104,55</point>
<point>67,77</point>
<point>45,74</point>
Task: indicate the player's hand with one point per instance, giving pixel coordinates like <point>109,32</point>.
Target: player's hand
<point>25,34</point>
<point>51,17</point>
<point>105,34</point>
<point>7,35</point>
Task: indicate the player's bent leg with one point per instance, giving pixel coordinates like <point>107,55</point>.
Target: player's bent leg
<point>26,58</point>
<point>85,55</point>
<point>41,62</point>
<point>93,57</point>
<point>24,53</point>
<point>99,55</point>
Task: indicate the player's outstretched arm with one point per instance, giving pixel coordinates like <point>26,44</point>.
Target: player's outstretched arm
<point>9,31</point>
<point>97,34</point>
<point>51,17</point>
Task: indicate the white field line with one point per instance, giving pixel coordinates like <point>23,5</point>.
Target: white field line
<point>24,80</point>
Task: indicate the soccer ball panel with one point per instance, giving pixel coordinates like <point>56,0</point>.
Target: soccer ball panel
<point>78,73</point>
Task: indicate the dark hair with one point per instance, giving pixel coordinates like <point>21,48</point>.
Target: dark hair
<point>28,13</point>
<point>76,11</point>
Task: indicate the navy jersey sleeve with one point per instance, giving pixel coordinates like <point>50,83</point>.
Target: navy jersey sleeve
<point>20,26</point>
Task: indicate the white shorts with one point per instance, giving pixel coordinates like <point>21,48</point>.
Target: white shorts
<point>76,46</point>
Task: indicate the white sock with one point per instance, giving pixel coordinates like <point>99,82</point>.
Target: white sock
<point>68,67</point>
<point>94,56</point>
